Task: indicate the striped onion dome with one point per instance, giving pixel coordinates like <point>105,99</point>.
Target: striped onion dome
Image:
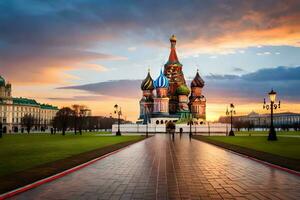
<point>147,83</point>
<point>198,81</point>
<point>162,81</point>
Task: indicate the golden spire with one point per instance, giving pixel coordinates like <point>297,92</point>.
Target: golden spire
<point>173,38</point>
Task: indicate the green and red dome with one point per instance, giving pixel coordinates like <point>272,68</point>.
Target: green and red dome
<point>183,90</point>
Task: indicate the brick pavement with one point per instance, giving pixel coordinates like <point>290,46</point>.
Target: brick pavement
<point>159,168</point>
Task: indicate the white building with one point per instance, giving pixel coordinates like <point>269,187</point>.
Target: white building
<point>13,109</point>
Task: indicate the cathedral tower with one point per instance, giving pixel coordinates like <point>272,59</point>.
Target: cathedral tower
<point>146,103</point>
<point>161,101</point>
<point>197,100</point>
<point>173,71</point>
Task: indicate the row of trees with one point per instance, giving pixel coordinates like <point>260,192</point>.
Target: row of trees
<point>76,118</point>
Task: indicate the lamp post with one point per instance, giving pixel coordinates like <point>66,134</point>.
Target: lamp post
<point>118,111</point>
<point>190,122</point>
<point>147,118</point>
<point>231,112</point>
<point>272,95</point>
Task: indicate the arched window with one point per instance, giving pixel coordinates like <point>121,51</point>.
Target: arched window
<point>157,121</point>
<point>161,121</point>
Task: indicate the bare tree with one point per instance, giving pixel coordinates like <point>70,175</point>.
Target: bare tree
<point>80,117</point>
<point>28,121</point>
<point>63,119</point>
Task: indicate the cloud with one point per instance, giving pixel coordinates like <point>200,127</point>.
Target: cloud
<point>250,87</point>
<point>131,48</point>
<point>41,39</point>
<point>278,74</point>
<point>48,65</point>
<point>115,88</point>
<point>237,69</point>
<point>80,98</point>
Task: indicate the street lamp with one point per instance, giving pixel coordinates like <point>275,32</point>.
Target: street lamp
<point>231,112</point>
<point>190,123</point>
<point>272,95</point>
<point>147,119</point>
<point>118,111</point>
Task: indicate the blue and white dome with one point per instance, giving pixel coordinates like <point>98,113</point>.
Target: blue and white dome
<point>162,81</point>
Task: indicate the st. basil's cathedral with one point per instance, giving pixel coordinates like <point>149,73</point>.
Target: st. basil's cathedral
<point>173,99</point>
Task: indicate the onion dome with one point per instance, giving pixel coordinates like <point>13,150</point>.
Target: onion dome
<point>147,83</point>
<point>2,81</point>
<point>183,90</point>
<point>198,81</point>
<point>162,81</point>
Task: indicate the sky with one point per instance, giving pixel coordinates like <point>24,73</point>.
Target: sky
<point>96,52</point>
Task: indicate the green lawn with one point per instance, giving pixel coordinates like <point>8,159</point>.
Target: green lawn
<point>265,133</point>
<point>285,146</point>
<point>18,152</point>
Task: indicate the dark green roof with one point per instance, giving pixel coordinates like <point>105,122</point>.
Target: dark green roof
<point>47,106</point>
<point>25,101</point>
<point>183,90</point>
<point>32,102</point>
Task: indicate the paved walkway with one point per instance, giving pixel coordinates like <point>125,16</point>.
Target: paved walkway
<point>159,168</point>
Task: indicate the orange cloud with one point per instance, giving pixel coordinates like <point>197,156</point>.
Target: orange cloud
<point>262,31</point>
<point>51,66</point>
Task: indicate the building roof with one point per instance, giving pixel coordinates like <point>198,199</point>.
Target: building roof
<point>48,106</point>
<point>147,83</point>
<point>31,102</point>
<point>197,81</point>
<point>25,101</point>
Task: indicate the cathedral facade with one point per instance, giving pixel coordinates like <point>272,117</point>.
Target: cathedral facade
<point>169,98</point>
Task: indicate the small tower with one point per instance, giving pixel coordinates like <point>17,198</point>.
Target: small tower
<point>197,100</point>
<point>183,92</point>
<point>5,89</point>
<point>146,103</point>
<point>2,87</point>
<point>161,101</point>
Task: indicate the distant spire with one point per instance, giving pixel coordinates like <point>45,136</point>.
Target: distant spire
<point>173,41</point>
<point>173,56</point>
